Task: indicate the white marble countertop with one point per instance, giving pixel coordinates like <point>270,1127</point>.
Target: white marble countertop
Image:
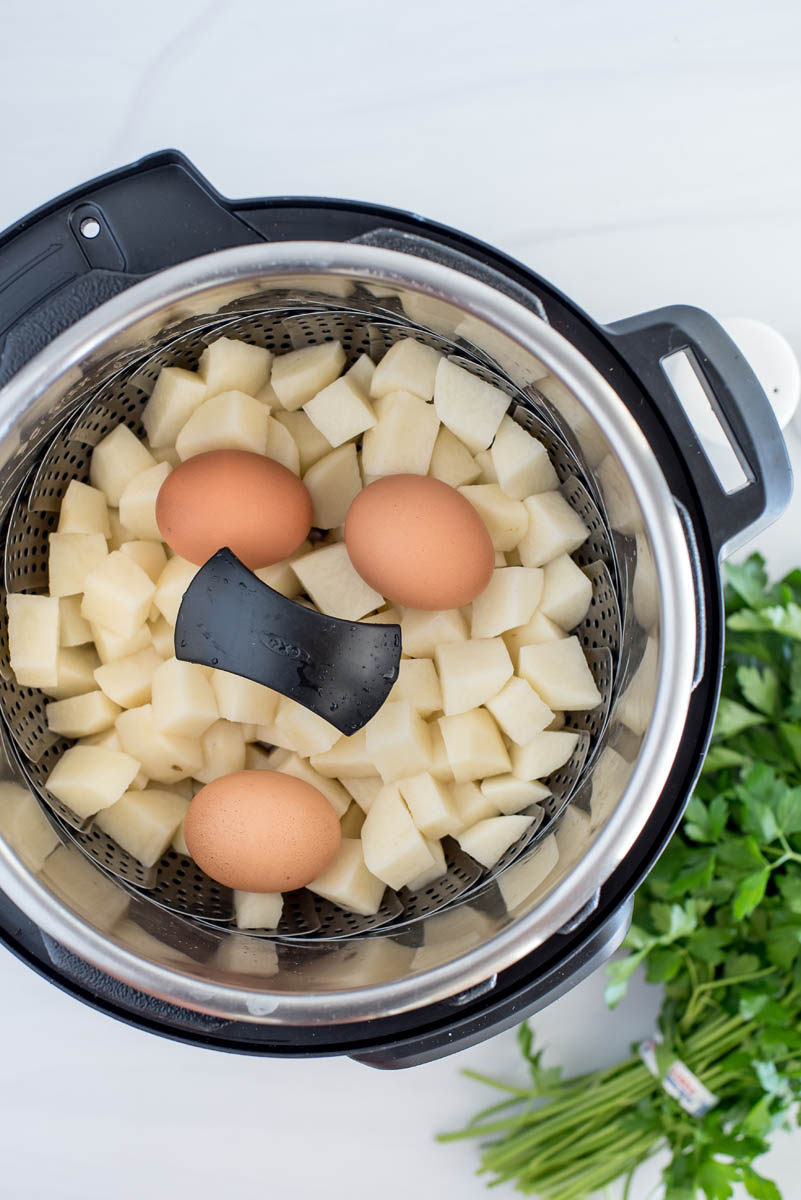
<point>635,155</point>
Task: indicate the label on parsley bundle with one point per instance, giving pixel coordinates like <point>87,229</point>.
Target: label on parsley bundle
<point>678,1080</point>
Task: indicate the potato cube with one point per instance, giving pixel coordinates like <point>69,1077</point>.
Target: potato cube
<point>384,616</point>
<point>439,764</point>
<point>119,533</point>
<point>398,741</point>
<point>471,408</point>
<point>403,440</point>
<point>164,757</point>
<point>508,601</point>
<point>183,699</point>
<point>487,841</point>
<point>451,461</point>
<point>71,558</point>
<point>334,585</point>
<point>307,437</point>
<point>144,822</point>
<point>115,461</point>
<point>75,668</point>
<point>80,716</point>
<point>351,823</point>
<point>559,674</point>
<point>165,454</point>
<point>301,374</point>
<point>230,365</point>
<point>138,502</point>
<point>511,795</point>
<point>521,880</point>
<point>430,804</point>
<point>340,411</point>
<point>521,462</point>
<point>230,421</point>
<point>472,672</point>
<point>553,529</point>
<point>118,595</point>
<point>348,882</point>
<point>150,557</point>
<point>280,576</point>
<point>178,842</point>
<point>546,752</point>
<point>506,519</point>
<point>566,592</point>
<point>393,847</point>
<point>363,791</point>
<point>281,446</point>
<point>471,804</point>
<point>422,631</point>
<point>418,683</point>
<point>346,759</point>
<point>176,395</point>
<point>74,630</point>
<point>33,639</point>
<point>486,467</point>
<point>83,510</point>
<point>407,366</point>
<point>519,711</point>
<point>361,373</point>
<point>110,647</point>
<point>163,636</point>
<point>334,792</point>
<point>243,700</point>
<point>223,749</point>
<point>88,778</point>
<point>436,871</point>
<point>302,730</point>
<point>474,745</point>
<point>258,910</point>
<point>333,483</point>
<point>173,582</point>
<point>127,681</point>
<point>539,629</point>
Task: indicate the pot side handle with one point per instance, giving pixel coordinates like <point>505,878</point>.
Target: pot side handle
<point>743,410</point>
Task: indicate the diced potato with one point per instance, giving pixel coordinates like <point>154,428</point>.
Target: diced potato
<point>506,519</point>
<point>521,462</point>
<point>361,373</point>
<point>243,700</point>
<point>333,483</point>
<point>165,454</point>
<point>183,699</point>
<point>471,804</point>
<point>173,582</point>
<point>422,632</point>
<point>472,672</point>
<point>351,823</point>
<point>74,630</point>
<point>559,674</point>
<point>138,502</point>
<point>519,711</point>
<point>223,751</point>
<point>163,636</point>
<point>436,871</point>
<point>88,778</point>
<point>231,365</point>
<point>439,764</point>
<point>165,758</point>
<point>302,730</point>
<point>385,616</point>
<point>75,667</point>
<point>127,681</point>
<point>403,440</point>
<point>110,647</point>
<point>346,759</point>
<point>393,847</point>
<point>258,910</point>
<point>418,683</point>
<point>522,879</point>
<point>407,366</point>
<point>329,577</point>
<point>566,592</point>
<point>471,408</point>
<point>178,842</point>
<point>429,802</point>
<point>71,558</point>
<point>486,467</point>
<point>363,791</point>
<point>281,577</point>
<point>281,446</point>
<point>553,529</point>
<point>511,795</point>
<point>119,533</point>
<point>539,629</point>
<point>33,623</point>
<point>83,510</point>
<point>266,395</point>
<point>176,395</point>
<point>508,600</point>
<point>115,461</point>
<point>118,595</point>
<point>307,437</point>
<point>546,752</point>
<point>230,421</point>
<point>80,716</point>
<point>301,374</point>
<point>474,745</point>
<point>398,741</point>
<point>340,411</point>
<point>144,822</point>
<point>334,792</point>
<point>348,882</point>
<point>487,841</point>
<point>149,555</point>
<point>451,461</point>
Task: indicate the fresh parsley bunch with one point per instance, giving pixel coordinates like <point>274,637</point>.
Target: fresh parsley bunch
<point>718,925</point>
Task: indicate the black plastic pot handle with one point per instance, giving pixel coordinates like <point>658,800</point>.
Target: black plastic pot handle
<point>743,409</point>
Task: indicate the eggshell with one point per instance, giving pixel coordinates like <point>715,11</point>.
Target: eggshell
<point>261,831</point>
<point>418,542</point>
<point>233,498</point>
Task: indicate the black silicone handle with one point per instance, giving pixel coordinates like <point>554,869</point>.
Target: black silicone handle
<point>744,411</point>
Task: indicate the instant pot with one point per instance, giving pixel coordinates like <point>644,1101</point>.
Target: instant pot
<point>140,269</point>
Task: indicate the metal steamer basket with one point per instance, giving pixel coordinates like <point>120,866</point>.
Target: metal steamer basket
<point>140,270</point>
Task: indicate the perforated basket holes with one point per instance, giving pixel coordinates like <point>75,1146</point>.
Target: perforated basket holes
<point>563,781</point>
<point>521,845</point>
<point>109,854</point>
<point>601,626</point>
<point>181,886</point>
<point>336,922</point>
<point>598,544</point>
<point>36,774</point>
<point>594,720</point>
<point>560,454</point>
<point>26,549</point>
<point>462,873</point>
<point>64,461</point>
<point>314,328</point>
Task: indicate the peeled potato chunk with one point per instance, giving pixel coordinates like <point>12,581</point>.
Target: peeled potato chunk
<point>75,668</point>
<point>451,461</point>
<point>138,502</point>
<point>127,681</point>
<point>165,758</point>
<point>333,483</point>
<point>566,592</point>
<point>402,441</point>
<point>474,745</point>
<point>430,804</point>
<point>506,519</point>
<point>79,716</point>
<point>519,711</point>
<point>300,768</point>
<point>83,510</point>
<point>511,795</point>
<point>348,882</point>
<point>183,699</point>
<point>258,910</point>
<point>546,752</point>
<point>298,376</point>
<point>559,674</point>
<point>176,395</point>
<point>223,749</point>
<point>340,411</point>
<point>230,421</point>
<point>229,365</point>
<point>422,631</point>
<point>472,672</point>
<point>334,585</point>
<point>394,849</point>
<point>553,529</point>
<point>144,822</point>
<point>75,631</point>
<point>407,366</point>
<point>471,408</point>
<point>71,558</point>
<point>243,700</point>
<point>346,759</point>
<point>115,461</point>
<point>33,639</point>
<point>88,778</point>
<point>398,741</point>
<point>508,600</point>
<point>521,462</point>
<point>418,683</point>
<point>491,838</point>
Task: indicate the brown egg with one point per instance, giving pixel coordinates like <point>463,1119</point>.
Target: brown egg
<point>419,542</point>
<point>233,498</point>
<point>261,831</point>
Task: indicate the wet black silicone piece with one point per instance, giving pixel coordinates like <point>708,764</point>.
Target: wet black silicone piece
<point>341,670</point>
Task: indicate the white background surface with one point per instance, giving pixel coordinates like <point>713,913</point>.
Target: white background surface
<point>634,154</point>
